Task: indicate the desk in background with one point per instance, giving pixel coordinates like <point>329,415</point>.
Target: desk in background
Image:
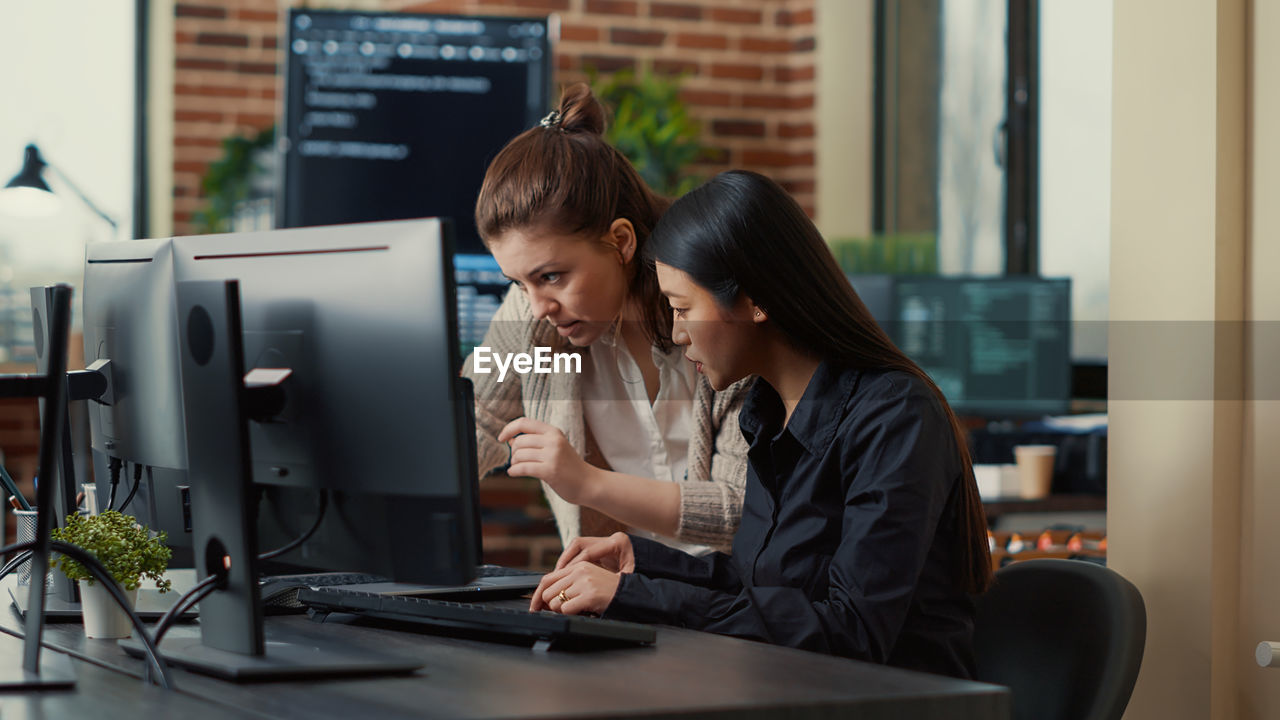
<point>686,674</point>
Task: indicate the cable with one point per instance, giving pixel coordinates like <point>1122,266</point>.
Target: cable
<point>114,466</point>
<point>24,554</point>
<point>137,480</point>
<point>24,546</point>
<point>14,563</point>
<point>324,503</point>
<point>184,603</point>
<point>101,574</point>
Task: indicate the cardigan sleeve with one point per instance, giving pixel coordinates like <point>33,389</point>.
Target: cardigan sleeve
<point>498,403</point>
<point>711,494</point>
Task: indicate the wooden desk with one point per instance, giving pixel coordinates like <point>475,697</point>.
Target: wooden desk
<point>686,674</point>
<point>104,694</point>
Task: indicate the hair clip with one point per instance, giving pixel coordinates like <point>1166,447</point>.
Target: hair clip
<point>552,120</point>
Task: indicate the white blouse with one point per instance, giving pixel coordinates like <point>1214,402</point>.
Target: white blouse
<point>637,438</point>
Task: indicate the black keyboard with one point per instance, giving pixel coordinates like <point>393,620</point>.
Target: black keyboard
<point>323,579</point>
<point>489,571</point>
<point>279,593</point>
<point>547,628</point>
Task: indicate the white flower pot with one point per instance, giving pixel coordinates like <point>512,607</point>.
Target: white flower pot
<point>103,618</point>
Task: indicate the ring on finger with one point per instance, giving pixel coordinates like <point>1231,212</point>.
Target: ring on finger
<point>562,597</point>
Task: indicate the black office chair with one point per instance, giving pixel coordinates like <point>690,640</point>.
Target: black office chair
<point>1065,636</point>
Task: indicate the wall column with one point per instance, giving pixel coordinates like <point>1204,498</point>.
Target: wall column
<point>1178,242</point>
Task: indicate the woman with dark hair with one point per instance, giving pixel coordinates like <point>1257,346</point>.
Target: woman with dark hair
<point>635,440</point>
<point>862,532</point>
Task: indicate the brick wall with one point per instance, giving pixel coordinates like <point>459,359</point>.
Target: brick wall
<point>20,442</point>
<point>750,66</point>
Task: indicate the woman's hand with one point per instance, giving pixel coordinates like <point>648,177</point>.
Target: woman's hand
<point>576,589</point>
<point>542,451</point>
<point>612,553</point>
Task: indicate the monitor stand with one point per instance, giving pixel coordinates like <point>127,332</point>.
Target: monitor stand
<point>232,642</point>
<point>304,655</point>
<point>31,668</point>
<point>55,669</point>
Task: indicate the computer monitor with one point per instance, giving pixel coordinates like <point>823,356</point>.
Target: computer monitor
<point>481,287</point>
<point>130,319</point>
<point>998,347</point>
<point>363,319</point>
<point>397,115</point>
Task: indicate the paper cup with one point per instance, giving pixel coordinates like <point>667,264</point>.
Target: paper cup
<point>1035,470</point>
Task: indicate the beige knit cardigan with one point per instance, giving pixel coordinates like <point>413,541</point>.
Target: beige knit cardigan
<point>710,494</point>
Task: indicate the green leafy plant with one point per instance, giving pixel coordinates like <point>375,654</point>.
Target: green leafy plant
<point>652,127</point>
<point>228,181</point>
<point>123,546</point>
<point>897,254</point>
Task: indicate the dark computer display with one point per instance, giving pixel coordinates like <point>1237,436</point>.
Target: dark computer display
<point>997,347</point>
<point>130,319</point>
<point>481,287</point>
<point>393,116</point>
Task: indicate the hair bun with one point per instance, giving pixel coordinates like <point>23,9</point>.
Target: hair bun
<point>581,111</point>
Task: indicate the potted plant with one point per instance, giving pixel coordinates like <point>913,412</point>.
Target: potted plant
<point>652,127</point>
<point>129,553</point>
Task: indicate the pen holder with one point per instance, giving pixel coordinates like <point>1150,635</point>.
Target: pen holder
<point>26,531</point>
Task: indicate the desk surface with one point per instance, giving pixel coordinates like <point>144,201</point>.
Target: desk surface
<point>104,694</point>
<point>686,674</point>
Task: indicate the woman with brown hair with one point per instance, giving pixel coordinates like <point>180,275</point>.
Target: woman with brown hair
<point>862,531</point>
<point>636,439</point>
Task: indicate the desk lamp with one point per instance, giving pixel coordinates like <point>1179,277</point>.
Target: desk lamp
<point>28,195</point>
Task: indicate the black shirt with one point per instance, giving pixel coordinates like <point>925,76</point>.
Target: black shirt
<point>849,533</point>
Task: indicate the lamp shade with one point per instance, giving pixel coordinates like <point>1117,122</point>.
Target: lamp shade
<point>27,195</point>
<point>29,176</point>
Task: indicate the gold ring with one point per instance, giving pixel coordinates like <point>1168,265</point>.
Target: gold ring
<point>562,597</point>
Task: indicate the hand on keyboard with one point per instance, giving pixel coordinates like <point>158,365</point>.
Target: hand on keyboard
<point>576,589</point>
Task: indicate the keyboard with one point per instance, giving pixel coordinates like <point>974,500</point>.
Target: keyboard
<point>491,571</point>
<point>546,628</point>
<point>279,593</point>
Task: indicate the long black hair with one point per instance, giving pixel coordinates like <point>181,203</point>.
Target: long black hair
<point>741,233</point>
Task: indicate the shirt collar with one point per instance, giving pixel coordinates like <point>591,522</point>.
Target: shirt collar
<point>813,423</point>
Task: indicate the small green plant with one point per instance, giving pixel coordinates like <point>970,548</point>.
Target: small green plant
<point>229,180</point>
<point>651,126</point>
<point>897,254</point>
<point>122,545</point>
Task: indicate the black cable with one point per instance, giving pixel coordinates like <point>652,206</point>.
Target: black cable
<point>324,503</point>
<point>114,466</point>
<point>24,553</point>
<point>24,546</point>
<point>137,480</point>
<point>184,603</point>
<point>14,563</point>
<point>102,575</point>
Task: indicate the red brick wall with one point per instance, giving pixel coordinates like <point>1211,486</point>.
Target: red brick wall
<point>750,65</point>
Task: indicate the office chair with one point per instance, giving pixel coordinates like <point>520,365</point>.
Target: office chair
<point>1065,636</point>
